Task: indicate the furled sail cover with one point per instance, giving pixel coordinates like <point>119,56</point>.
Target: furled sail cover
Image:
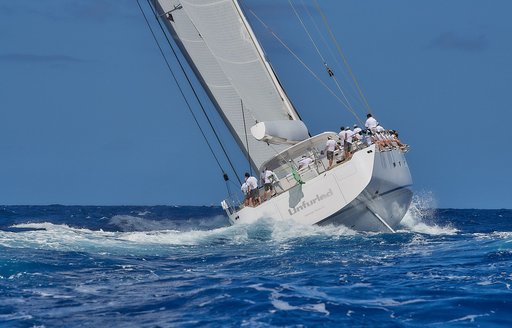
<point>220,46</point>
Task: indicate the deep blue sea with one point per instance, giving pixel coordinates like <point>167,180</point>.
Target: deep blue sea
<point>165,266</point>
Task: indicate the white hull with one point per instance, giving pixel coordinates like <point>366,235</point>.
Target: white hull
<point>370,192</point>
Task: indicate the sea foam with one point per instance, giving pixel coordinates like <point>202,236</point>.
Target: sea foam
<point>420,217</point>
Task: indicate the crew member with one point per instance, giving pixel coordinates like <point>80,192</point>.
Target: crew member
<point>370,123</point>
<point>252,184</point>
<point>330,147</point>
<point>268,178</point>
<point>305,161</point>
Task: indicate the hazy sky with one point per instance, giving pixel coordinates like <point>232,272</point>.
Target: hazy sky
<point>91,115</point>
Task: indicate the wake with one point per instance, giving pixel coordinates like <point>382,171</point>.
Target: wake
<point>63,237</point>
<point>135,234</point>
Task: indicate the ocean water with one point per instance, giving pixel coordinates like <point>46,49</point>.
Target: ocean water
<point>72,266</point>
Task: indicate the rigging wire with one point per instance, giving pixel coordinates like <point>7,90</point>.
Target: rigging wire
<point>182,93</point>
<point>329,70</point>
<point>307,32</point>
<point>331,34</point>
<point>303,63</point>
<point>331,53</point>
<point>317,29</point>
<point>193,90</point>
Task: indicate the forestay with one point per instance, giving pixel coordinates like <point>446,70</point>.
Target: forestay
<point>220,46</point>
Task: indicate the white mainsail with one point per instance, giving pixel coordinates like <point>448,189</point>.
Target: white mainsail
<point>220,46</point>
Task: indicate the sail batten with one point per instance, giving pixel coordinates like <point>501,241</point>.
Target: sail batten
<point>220,46</point>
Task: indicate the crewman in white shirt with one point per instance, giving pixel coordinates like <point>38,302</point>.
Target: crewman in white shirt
<point>379,128</point>
<point>245,190</point>
<point>252,184</point>
<point>304,161</point>
<point>357,130</point>
<point>380,139</point>
<point>370,123</point>
<point>330,147</point>
<point>268,178</point>
<point>346,139</point>
<point>342,135</point>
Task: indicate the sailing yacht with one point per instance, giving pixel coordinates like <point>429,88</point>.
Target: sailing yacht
<point>371,191</point>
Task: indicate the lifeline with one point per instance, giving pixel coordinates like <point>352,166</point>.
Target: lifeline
<point>305,204</point>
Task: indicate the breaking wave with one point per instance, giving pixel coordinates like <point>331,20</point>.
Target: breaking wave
<point>128,223</point>
<point>421,217</point>
<point>141,235</point>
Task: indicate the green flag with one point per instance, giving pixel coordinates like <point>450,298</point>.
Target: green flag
<point>296,176</point>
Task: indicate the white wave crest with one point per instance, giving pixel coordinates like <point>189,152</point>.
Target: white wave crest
<point>65,238</point>
<point>283,231</point>
<point>262,230</point>
<point>56,237</point>
<point>129,223</point>
<point>420,217</point>
<point>507,235</point>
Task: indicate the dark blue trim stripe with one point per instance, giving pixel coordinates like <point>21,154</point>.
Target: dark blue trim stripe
<point>393,190</point>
